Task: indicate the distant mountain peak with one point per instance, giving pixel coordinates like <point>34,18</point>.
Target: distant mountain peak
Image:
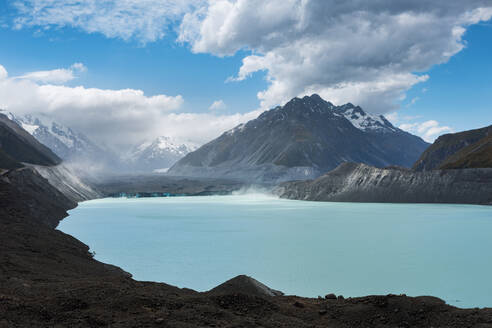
<point>316,105</point>
<point>347,106</point>
<point>159,153</point>
<point>310,101</point>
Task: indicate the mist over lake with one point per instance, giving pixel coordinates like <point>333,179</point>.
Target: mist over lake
<point>302,248</point>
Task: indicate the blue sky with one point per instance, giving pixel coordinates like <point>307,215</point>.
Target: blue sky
<point>427,67</point>
<point>459,92</point>
<point>159,67</point>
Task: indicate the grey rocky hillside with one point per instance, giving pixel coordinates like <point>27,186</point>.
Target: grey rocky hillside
<point>352,182</point>
<point>301,140</point>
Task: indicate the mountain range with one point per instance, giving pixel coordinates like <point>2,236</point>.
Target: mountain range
<point>81,153</point>
<point>301,140</point>
<point>17,146</point>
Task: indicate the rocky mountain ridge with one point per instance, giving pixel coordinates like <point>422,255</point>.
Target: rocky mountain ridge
<point>476,155</point>
<point>445,150</point>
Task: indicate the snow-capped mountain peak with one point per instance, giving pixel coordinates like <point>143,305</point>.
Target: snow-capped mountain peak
<point>161,146</point>
<point>173,145</point>
<point>365,121</point>
<point>159,154</point>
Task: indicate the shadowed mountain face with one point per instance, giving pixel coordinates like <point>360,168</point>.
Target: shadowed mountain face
<point>18,146</point>
<point>303,139</point>
<point>468,149</point>
<point>477,155</point>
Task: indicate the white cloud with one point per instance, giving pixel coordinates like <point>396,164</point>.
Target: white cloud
<point>78,67</point>
<point>143,20</point>
<point>117,118</point>
<point>218,105</point>
<point>413,101</point>
<point>110,116</point>
<point>357,51</point>
<point>3,73</point>
<point>56,76</point>
<point>428,130</point>
<point>202,128</point>
<point>365,52</point>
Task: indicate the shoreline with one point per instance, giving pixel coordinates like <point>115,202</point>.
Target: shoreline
<point>49,278</point>
<point>360,205</point>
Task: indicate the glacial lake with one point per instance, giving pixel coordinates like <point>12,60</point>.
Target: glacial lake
<point>298,247</point>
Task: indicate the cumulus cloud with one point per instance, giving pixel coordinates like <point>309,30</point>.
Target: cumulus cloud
<point>413,101</point>
<point>117,118</point>
<point>364,52</point>
<point>3,73</point>
<point>143,20</point>
<point>202,127</point>
<point>56,76</point>
<point>428,130</point>
<point>218,105</point>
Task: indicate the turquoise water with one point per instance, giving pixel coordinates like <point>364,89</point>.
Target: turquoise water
<point>302,248</point>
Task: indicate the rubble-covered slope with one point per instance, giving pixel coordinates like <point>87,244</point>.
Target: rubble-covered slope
<point>352,182</point>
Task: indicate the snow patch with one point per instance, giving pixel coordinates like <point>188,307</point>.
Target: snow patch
<point>161,147</point>
<point>164,170</point>
<point>367,122</point>
<point>237,129</point>
<point>29,127</point>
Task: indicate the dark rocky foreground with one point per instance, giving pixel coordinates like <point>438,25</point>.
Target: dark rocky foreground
<point>352,182</point>
<point>49,279</point>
